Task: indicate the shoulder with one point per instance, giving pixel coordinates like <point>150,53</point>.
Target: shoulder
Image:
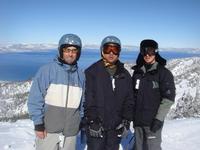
<point>165,72</point>
<point>94,67</point>
<point>47,69</point>
<point>81,72</point>
<point>122,70</point>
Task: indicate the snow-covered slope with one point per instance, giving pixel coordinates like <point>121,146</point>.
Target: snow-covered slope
<point>13,96</point>
<point>177,135</point>
<point>187,79</point>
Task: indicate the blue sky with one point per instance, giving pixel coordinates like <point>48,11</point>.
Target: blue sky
<point>172,23</point>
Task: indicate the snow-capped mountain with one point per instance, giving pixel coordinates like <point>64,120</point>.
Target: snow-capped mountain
<point>13,96</point>
<point>24,47</point>
<point>187,79</point>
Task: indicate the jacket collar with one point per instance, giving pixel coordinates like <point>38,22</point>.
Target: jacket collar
<point>142,69</point>
<point>67,67</point>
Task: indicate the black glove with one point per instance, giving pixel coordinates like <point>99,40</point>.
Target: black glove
<point>95,128</point>
<point>39,127</point>
<point>122,128</point>
<point>156,125</point>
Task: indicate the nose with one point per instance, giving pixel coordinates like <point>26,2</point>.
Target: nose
<point>111,53</point>
<point>70,52</point>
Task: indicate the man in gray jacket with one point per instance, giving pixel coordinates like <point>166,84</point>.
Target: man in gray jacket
<point>55,98</point>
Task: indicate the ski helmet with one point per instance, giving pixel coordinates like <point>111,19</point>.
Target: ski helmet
<point>148,43</point>
<point>110,40</point>
<point>69,40</point>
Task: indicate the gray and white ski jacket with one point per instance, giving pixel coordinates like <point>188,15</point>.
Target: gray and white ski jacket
<point>56,97</point>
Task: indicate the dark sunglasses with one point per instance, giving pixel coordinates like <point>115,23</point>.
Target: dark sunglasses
<point>107,49</point>
<point>149,51</point>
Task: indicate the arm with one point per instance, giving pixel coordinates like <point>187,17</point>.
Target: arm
<point>167,89</point>
<point>90,104</point>
<point>128,104</point>
<point>36,100</point>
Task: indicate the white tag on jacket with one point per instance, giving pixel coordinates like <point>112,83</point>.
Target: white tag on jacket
<point>113,83</point>
<point>137,84</point>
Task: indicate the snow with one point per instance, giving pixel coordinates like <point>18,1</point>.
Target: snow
<point>177,135</point>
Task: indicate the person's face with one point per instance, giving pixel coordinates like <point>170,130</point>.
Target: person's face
<point>149,59</point>
<point>149,55</point>
<point>70,54</point>
<point>111,53</point>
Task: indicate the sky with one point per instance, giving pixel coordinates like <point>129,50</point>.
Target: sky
<point>172,23</point>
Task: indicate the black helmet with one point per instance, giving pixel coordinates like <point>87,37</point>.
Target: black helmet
<point>146,44</point>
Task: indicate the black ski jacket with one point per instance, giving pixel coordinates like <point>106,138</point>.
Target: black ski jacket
<point>151,90</point>
<point>102,100</point>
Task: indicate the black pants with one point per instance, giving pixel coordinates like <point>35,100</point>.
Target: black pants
<point>110,141</point>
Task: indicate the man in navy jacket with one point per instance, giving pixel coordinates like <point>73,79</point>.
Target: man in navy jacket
<point>108,98</point>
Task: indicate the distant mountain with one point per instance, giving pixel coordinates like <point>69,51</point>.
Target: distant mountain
<point>13,95</point>
<point>45,47</point>
<point>26,47</point>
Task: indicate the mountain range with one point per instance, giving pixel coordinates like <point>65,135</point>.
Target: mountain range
<point>23,47</point>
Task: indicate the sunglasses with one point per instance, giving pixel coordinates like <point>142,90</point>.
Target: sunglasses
<point>68,50</point>
<point>107,49</point>
<point>149,51</point>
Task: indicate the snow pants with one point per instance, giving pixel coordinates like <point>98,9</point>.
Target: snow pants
<point>53,142</point>
<point>147,140</point>
<point>110,141</point>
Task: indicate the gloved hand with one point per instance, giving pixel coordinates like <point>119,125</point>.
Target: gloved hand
<point>95,129</point>
<point>122,128</point>
<point>156,125</point>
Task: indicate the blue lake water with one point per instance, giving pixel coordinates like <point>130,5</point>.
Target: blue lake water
<point>21,66</point>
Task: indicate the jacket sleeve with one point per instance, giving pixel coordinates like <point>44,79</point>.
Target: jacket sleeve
<point>167,89</point>
<point>36,102</point>
<point>128,105</point>
<point>90,104</point>
<point>83,95</point>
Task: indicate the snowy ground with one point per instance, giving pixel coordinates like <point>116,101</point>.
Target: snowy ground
<point>177,135</point>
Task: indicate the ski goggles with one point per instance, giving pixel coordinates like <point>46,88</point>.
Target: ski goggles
<point>150,51</point>
<point>115,49</point>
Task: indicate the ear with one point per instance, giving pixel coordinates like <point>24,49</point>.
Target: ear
<point>102,54</point>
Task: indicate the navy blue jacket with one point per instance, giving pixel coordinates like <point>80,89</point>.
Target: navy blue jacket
<point>102,101</point>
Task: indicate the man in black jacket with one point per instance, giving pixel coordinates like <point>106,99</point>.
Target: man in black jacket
<point>108,98</point>
<point>154,93</point>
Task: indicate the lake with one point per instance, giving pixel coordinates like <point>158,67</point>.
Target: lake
<point>19,66</point>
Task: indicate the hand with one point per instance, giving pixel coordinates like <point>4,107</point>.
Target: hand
<point>156,125</point>
<point>41,134</point>
<point>95,129</point>
<point>122,128</point>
